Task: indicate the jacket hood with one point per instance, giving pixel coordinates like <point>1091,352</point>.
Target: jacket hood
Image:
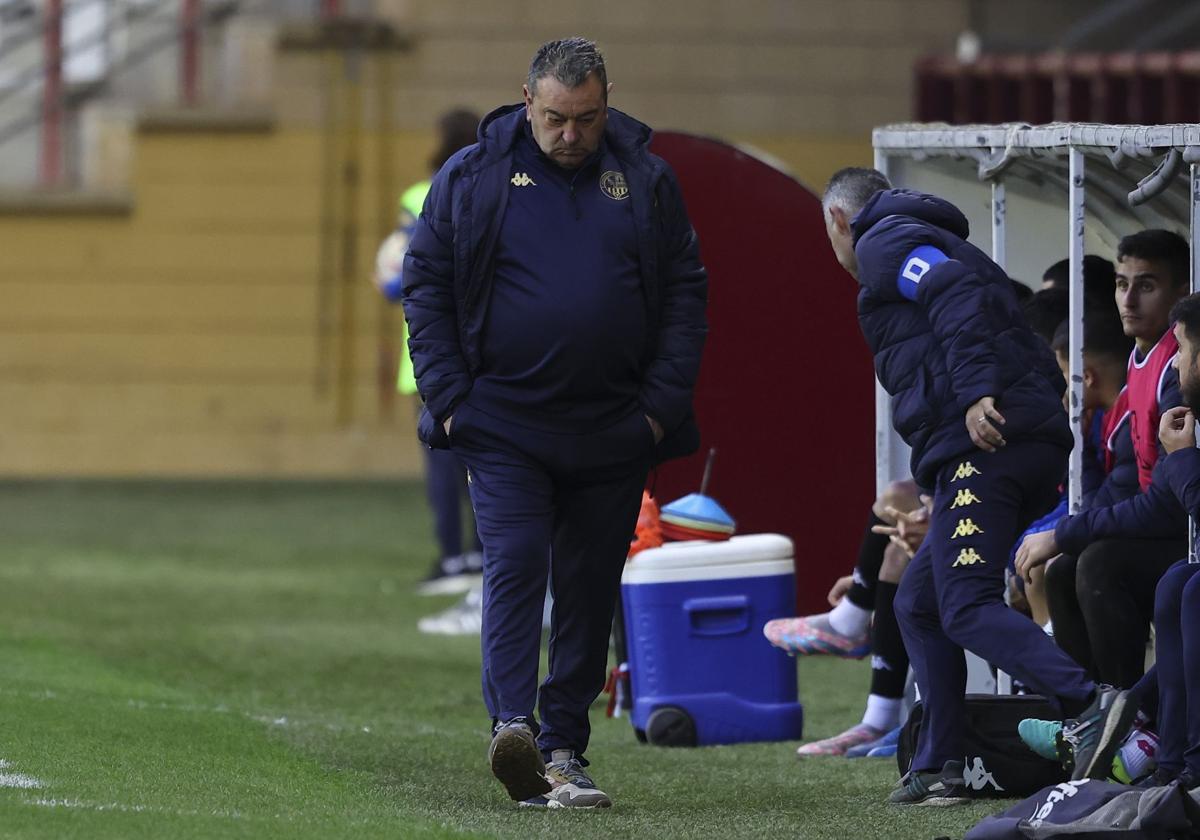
<point>503,126</point>
<point>927,208</point>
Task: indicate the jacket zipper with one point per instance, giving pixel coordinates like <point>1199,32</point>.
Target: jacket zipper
<point>574,199</point>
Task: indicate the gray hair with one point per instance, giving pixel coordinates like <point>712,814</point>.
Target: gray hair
<point>851,188</point>
<point>569,61</point>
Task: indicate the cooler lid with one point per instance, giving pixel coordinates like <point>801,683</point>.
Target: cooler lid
<point>752,555</point>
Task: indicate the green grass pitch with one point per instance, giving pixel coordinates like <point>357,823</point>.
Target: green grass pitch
<point>222,659</point>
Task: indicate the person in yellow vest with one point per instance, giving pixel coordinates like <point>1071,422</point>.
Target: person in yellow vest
<point>459,563</point>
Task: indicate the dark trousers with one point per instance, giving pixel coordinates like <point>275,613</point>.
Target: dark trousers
<point>557,505</point>
<point>952,594</point>
<point>1177,661</point>
<point>1102,603</point>
<point>445,487</point>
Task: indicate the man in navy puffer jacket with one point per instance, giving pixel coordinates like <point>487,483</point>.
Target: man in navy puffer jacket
<point>978,398</point>
<point>556,309</point>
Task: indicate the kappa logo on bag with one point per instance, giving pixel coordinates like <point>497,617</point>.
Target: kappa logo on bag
<point>976,776</point>
<point>1063,791</point>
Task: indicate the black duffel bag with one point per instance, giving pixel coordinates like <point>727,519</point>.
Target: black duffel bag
<point>996,763</point>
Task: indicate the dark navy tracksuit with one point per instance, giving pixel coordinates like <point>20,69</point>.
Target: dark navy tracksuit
<point>1161,513</point>
<point>945,330</point>
<point>550,311</point>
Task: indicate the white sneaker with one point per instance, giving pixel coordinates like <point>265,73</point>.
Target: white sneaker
<point>463,619</point>
<point>453,575</point>
<point>570,785</point>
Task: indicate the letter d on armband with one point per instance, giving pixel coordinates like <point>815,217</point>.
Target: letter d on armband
<point>914,268</point>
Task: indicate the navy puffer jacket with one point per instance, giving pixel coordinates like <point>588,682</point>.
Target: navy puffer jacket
<point>943,323</point>
<point>449,266</point>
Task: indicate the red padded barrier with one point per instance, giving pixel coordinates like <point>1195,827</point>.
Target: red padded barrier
<point>786,389</point>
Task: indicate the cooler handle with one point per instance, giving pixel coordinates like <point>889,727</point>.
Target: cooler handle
<point>726,615</point>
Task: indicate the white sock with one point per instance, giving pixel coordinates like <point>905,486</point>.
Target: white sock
<point>1048,629</point>
<point>883,713</point>
<point>849,619</point>
<point>1138,753</point>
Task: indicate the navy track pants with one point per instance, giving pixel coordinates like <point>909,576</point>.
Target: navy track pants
<point>952,594</point>
<point>445,486</point>
<point>1177,666</point>
<point>563,506</point>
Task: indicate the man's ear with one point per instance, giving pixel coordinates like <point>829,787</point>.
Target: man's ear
<point>528,102</point>
<point>840,222</point>
<point>1089,377</point>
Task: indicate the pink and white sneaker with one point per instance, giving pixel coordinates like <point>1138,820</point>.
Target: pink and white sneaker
<point>811,635</point>
<point>838,744</point>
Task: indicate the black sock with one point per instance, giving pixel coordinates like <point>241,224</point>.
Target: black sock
<point>866,571</point>
<point>889,660</point>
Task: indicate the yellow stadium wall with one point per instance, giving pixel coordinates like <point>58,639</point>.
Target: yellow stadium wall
<point>183,339</point>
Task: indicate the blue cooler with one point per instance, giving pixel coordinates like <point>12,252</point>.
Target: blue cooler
<point>700,669</point>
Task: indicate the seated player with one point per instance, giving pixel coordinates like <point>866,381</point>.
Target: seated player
<point>1109,467</point>
<point>847,629</point>
<point>1045,310</point>
<point>1101,591</point>
<point>1098,279</point>
<point>1175,488</point>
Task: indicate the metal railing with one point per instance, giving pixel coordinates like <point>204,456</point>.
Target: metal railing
<point>40,74</point>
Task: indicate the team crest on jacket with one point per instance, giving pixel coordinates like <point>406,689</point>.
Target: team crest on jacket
<point>614,186</point>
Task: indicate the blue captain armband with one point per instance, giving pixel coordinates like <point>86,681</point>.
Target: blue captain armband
<point>914,268</point>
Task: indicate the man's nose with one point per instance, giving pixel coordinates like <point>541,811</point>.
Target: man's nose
<point>570,135</point>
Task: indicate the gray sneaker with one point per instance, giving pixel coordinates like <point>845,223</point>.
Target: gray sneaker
<point>938,789</point>
<point>516,760</point>
<point>571,786</point>
<point>1098,732</point>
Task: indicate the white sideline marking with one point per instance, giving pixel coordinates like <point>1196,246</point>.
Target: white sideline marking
<point>18,780</point>
<point>221,709</point>
<point>91,806</point>
<point>130,809</point>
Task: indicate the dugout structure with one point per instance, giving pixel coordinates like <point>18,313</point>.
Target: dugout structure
<point>1042,193</point>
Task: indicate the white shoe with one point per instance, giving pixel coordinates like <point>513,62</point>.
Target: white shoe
<point>463,619</point>
<point>453,575</point>
<point>571,786</point>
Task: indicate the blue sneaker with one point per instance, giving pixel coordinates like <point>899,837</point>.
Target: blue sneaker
<point>1044,737</point>
<point>887,746</point>
<point>887,743</point>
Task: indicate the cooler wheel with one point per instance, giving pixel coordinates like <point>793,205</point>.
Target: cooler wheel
<point>671,726</point>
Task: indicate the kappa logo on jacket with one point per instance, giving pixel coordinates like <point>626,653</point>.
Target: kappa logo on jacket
<point>522,179</point>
